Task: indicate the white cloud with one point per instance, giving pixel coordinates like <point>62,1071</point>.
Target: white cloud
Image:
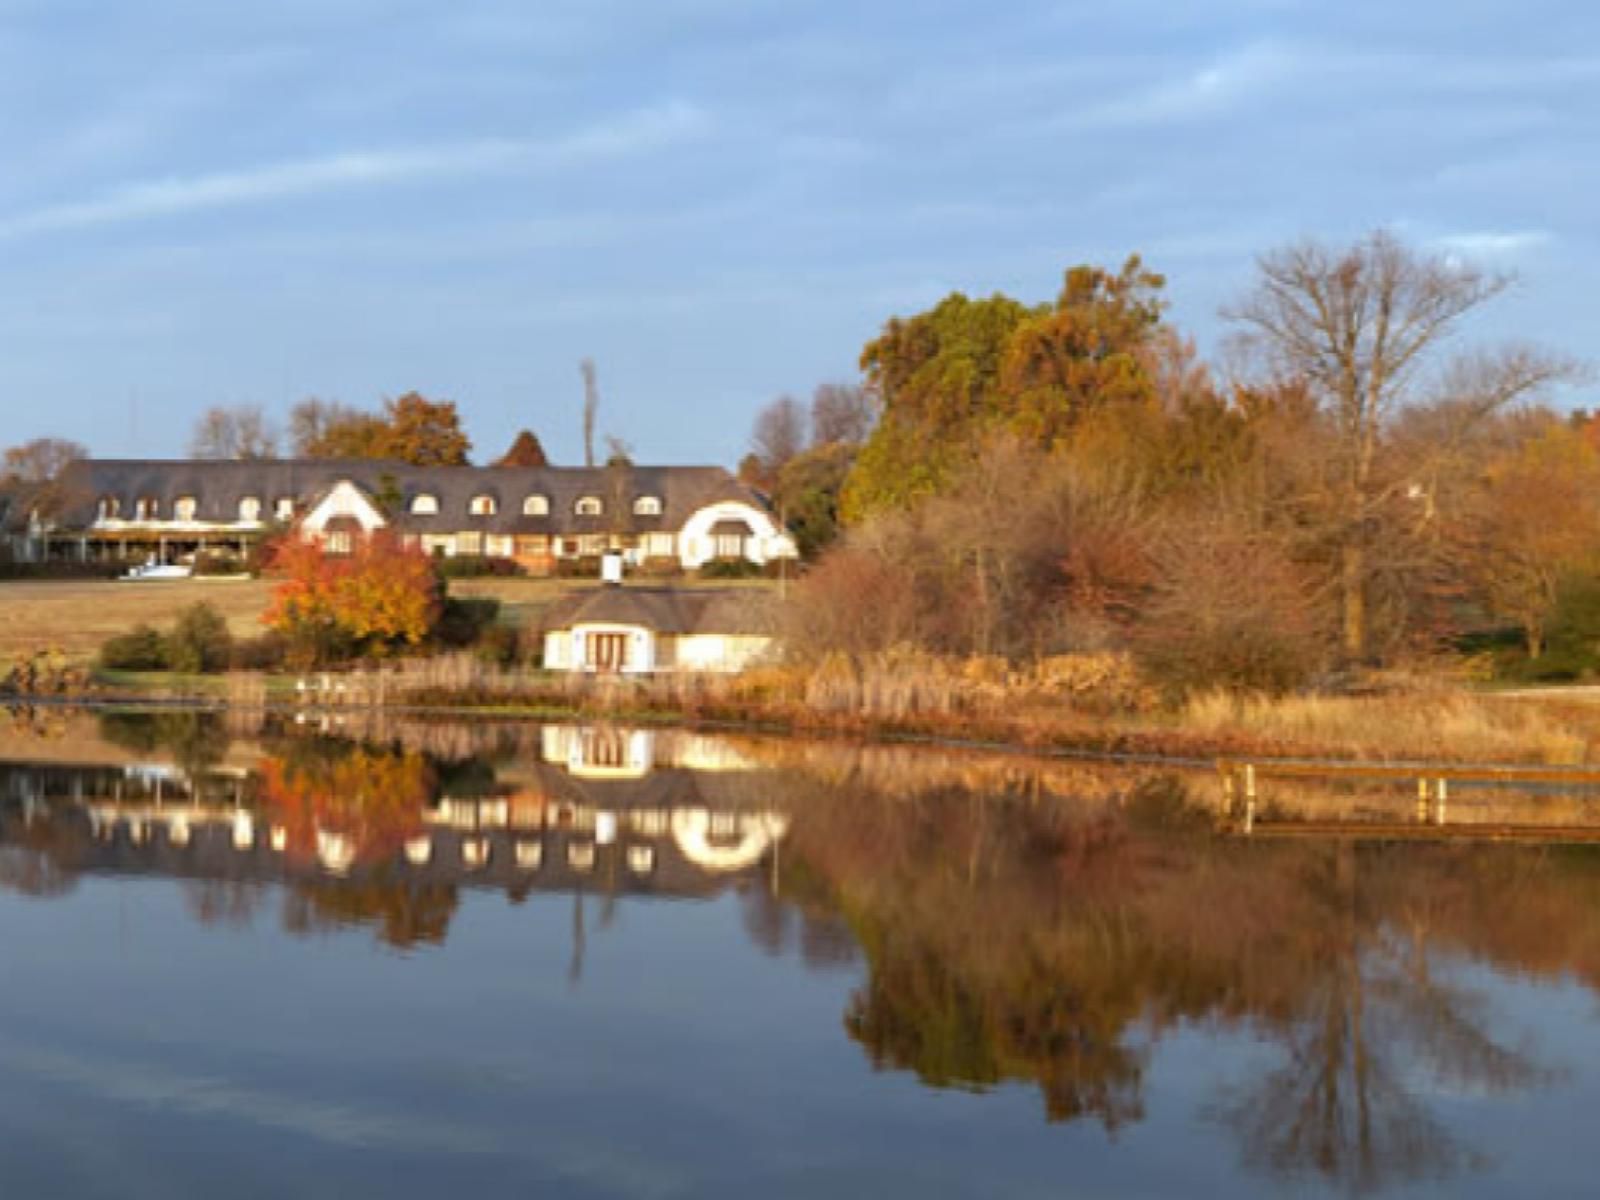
<point>632,133</point>
<point>1493,242</point>
<point>1214,88</point>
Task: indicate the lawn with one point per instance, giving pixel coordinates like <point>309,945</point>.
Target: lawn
<point>75,616</point>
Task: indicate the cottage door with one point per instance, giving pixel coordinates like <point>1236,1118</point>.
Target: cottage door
<point>608,652</point>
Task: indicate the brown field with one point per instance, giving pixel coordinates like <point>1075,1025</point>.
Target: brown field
<point>75,616</point>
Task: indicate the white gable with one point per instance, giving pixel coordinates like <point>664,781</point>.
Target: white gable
<point>344,499</point>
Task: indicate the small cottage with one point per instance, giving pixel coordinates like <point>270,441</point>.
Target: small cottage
<point>644,630</point>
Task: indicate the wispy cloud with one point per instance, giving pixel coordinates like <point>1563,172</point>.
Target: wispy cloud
<point>1493,242</point>
<point>638,132</point>
<point>1212,89</point>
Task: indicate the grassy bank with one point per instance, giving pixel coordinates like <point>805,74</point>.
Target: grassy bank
<point>1098,707</point>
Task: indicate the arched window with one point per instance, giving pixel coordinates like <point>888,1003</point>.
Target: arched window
<point>146,508</point>
<point>283,508</point>
<point>183,508</point>
<point>482,506</point>
<point>647,506</point>
<point>250,508</point>
<point>424,504</point>
<point>110,506</point>
<point>588,506</point>
<point>536,506</point>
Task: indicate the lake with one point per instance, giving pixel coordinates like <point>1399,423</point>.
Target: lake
<point>320,957</point>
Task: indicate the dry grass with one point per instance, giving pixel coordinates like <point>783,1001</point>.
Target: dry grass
<point>75,616</point>
<point>1439,724</point>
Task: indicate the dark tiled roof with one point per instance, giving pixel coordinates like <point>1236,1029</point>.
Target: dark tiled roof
<point>218,487</point>
<point>667,610</point>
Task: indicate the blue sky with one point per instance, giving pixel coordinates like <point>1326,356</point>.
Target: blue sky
<point>719,201</point>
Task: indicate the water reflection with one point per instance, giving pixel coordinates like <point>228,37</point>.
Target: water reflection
<point>1010,923</point>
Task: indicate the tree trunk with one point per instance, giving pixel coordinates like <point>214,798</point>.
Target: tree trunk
<point>1535,635</point>
<point>1353,588</point>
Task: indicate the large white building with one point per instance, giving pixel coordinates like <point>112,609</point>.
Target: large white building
<point>135,509</point>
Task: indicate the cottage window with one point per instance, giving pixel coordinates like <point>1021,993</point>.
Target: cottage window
<point>588,506</point>
<point>469,543</point>
<point>483,506</point>
<point>424,504</point>
<point>337,541</point>
<point>536,506</point>
<point>647,506</point>
<point>145,508</point>
<point>109,507</point>
<point>658,545</point>
<point>591,544</point>
<point>498,546</point>
<point>183,508</point>
<point>730,545</point>
<point>534,546</point>
<point>250,508</point>
<point>283,509</point>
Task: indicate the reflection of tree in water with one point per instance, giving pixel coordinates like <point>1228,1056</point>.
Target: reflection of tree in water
<point>406,914</point>
<point>1371,1020</point>
<point>1052,942</point>
<point>196,740</point>
<point>374,797</point>
<point>231,902</point>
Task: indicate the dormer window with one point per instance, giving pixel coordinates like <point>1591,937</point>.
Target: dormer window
<point>536,506</point>
<point>250,509</point>
<point>424,504</point>
<point>146,508</point>
<point>283,509</point>
<point>647,506</point>
<point>109,507</point>
<point>588,506</point>
<point>482,506</point>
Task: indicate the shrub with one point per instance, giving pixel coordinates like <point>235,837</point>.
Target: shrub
<point>464,619</point>
<point>479,566</point>
<point>220,562</point>
<point>578,568</point>
<point>264,653</point>
<point>200,640</point>
<point>731,568</point>
<point>142,648</point>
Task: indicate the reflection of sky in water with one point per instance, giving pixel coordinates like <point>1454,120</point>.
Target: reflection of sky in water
<point>263,1029</point>
<point>145,1051</point>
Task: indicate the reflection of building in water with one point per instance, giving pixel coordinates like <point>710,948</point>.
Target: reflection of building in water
<point>599,814</point>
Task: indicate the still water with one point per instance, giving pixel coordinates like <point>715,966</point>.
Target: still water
<point>246,959</point>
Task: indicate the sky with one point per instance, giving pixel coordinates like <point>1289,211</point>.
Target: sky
<point>721,201</point>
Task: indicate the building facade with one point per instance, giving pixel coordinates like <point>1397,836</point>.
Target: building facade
<point>168,510</point>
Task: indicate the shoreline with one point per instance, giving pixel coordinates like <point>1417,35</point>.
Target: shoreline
<point>1074,736</point>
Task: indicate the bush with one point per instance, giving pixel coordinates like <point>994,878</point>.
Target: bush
<point>479,566</point>
<point>200,641</point>
<point>499,645</point>
<point>142,648</point>
<point>578,568</point>
<point>732,568</point>
<point>265,653</point>
<point>220,562</point>
<point>463,620</point>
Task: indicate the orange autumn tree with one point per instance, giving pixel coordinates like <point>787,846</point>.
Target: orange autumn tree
<point>373,798</point>
<point>381,597</point>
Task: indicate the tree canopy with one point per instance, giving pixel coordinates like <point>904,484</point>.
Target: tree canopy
<point>410,429</point>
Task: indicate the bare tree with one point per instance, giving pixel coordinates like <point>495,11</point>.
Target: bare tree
<point>40,460</point>
<point>840,412</point>
<point>239,432</point>
<point>1359,326</point>
<point>779,434</point>
<point>591,409</point>
<point>310,420</point>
